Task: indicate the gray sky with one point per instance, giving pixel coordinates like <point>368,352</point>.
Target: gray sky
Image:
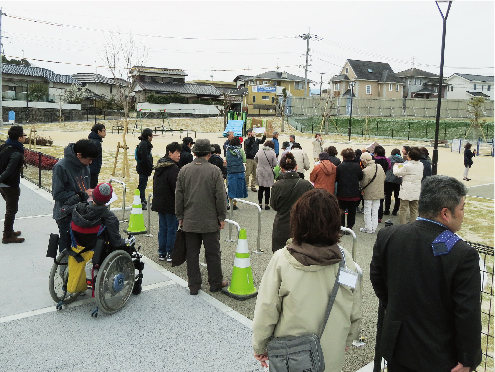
<point>252,37</point>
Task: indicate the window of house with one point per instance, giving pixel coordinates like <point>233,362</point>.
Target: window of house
<point>111,89</point>
<point>474,87</point>
<point>254,99</point>
<point>390,87</point>
<point>273,99</point>
<point>265,82</point>
<point>488,88</point>
<point>347,70</point>
<point>419,81</point>
<point>12,87</point>
<point>336,87</point>
<point>482,87</point>
<point>147,79</point>
<point>452,88</point>
<point>397,87</point>
<point>298,85</point>
<point>265,98</point>
<point>368,89</point>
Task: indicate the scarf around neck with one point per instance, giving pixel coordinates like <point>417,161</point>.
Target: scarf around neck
<point>15,144</point>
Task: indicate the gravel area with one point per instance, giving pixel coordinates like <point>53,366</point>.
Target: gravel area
<point>247,218</point>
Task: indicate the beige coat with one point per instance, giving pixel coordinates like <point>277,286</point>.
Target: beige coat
<point>266,160</point>
<point>317,148</point>
<point>411,173</point>
<point>200,198</point>
<point>302,160</point>
<point>375,190</point>
<point>292,300</point>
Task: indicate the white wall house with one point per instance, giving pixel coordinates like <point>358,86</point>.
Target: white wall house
<point>466,86</point>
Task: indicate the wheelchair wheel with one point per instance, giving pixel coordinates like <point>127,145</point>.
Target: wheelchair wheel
<point>59,275</point>
<point>114,282</point>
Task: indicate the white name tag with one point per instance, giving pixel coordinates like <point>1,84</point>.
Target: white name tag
<point>348,278</point>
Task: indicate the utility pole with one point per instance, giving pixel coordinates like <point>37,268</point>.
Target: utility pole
<point>306,37</point>
<point>350,113</point>
<point>439,104</point>
<point>321,81</point>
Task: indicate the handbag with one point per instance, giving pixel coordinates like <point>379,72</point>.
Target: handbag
<point>179,253</point>
<point>301,353</point>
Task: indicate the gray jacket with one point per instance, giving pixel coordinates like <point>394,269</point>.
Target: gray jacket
<point>200,199</point>
<point>390,176</point>
<point>70,179</point>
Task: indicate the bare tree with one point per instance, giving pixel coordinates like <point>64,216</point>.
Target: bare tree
<point>281,107</point>
<point>228,100</point>
<point>121,56</point>
<point>73,94</point>
<point>476,107</point>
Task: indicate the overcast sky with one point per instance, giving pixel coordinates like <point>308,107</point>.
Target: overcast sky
<point>248,38</point>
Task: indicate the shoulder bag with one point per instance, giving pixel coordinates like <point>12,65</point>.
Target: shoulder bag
<point>301,353</point>
<point>268,161</point>
<point>179,253</point>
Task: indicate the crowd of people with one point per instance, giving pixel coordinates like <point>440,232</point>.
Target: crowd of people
<point>193,187</point>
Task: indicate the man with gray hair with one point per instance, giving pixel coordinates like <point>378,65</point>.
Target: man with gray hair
<point>201,208</point>
<point>428,279</point>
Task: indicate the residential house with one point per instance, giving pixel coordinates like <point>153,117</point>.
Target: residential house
<point>16,80</point>
<point>421,84</point>
<point>99,84</point>
<point>241,80</point>
<point>371,80</point>
<point>164,81</point>
<point>265,90</point>
<point>222,86</point>
<point>467,86</point>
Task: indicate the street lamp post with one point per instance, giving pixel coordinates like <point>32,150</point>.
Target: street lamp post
<point>351,84</point>
<point>434,165</point>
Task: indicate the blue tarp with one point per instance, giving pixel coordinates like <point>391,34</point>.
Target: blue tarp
<point>234,126</point>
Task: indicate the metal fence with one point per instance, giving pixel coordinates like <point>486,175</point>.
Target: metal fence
<point>487,309</point>
<point>38,168</point>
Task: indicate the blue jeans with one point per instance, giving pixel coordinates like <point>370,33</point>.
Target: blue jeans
<point>143,182</point>
<point>167,229</point>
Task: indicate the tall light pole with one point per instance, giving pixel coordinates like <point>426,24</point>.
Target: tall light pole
<point>306,37</point>
<point>434,165</point>
<point>350,112</point>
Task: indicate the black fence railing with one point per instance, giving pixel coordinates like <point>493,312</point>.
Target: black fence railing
<point>487,309</point>
<point>38,169</point>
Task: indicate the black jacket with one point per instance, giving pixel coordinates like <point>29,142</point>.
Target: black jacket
<point>426,167</point>
<point>215,159</point>
<point>252,145</point>
<point>186,156</point>
<point>90,215</point>
<point>335,160</point>
<point>433,312</point>
<point>95,166</point>
<point>164,182</point>
<point>349,174</point>
<point>144,164</point>
<point>11,162</point>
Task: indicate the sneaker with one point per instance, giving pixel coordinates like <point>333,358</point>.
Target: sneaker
<point>168,257</point>
<point>267,207</point>
<point>161,257</point>
<point>365,230</point>
<point>253,189</point>
<point>144,206</point>
<point>394,213</point>
<point>386,213</point>
<point>379,220</point>
<point>235,207</point>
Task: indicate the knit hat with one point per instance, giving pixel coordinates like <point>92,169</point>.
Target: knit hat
<point>324,156</point>
<point>102,193</point>
<point>366,158</point>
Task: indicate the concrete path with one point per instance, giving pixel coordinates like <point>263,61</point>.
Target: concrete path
<point>162,329</point>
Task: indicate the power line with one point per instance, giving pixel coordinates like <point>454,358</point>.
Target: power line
<point>49,23</point>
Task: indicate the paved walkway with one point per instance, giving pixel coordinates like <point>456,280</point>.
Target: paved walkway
<point>162,329</point>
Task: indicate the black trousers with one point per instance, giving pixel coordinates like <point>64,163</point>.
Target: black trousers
<point>390,188</point>
<point>11,197</point>
<point>93,180</point>
<point>266,190</point>
<point>351,212</point>
<point>211,242</point>
<point>64,241</point>
<point>394,367</point>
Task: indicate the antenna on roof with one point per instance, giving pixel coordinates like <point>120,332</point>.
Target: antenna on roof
<point>412,62</point>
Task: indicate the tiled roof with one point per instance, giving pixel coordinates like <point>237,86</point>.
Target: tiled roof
<point>242,77</point>
<point>479,94</point>
<point>172,71</point>
<point>239,92</point>
<point>277,75</point>
<point>182,88</point>
<point>92,78</point>
<point>377,71</point>
<point>416,72</point>
<point>487,79</point>
<point>38,72</point>
<point>340,77</point>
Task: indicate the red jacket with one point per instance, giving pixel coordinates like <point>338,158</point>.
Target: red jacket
<point>323,176</point>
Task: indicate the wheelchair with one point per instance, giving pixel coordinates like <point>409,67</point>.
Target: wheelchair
<point>119,275</point>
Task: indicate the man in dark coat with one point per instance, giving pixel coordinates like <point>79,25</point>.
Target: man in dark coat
<point>144,166</point>
<point>426,162</point>
<point>186,155</point>
<point>11,162</point>
<point>428,279</point>
<point>251,147</point>
<point>164,182</point>
<point>98,132</point>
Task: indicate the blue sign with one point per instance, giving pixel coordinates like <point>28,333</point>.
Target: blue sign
<point>234,126</point>
<point>264,89</point>
<point>11,115</point>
